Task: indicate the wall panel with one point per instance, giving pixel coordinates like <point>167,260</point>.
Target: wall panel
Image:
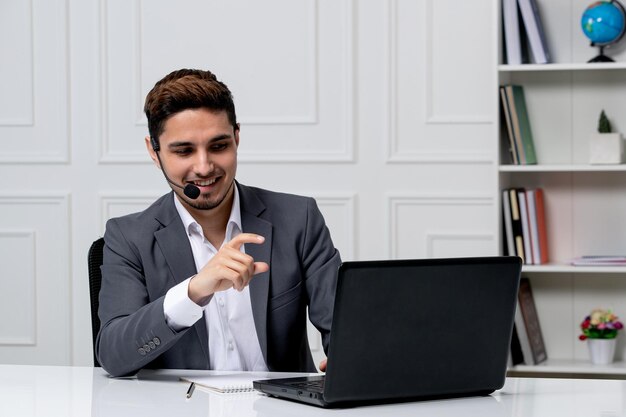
<point>35,286</point>
<point>34,112</point>
<point>300,111</point>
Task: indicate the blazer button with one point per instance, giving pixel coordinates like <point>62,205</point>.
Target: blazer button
<point>152,345</point>
<point>156,341</point>
<point>141,351</point>
<point>146,348</point>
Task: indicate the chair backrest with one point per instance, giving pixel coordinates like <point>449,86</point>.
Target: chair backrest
<point>94,258</point>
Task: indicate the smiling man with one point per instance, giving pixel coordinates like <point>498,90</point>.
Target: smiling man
<point>215,274</point>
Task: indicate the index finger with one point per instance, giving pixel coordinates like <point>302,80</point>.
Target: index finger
<point>242,238</point>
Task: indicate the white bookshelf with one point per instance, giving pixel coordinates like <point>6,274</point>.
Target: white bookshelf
<point>585,204</point>
<point>555,268</point>
<point>563,168</point>
<point>582,66</point>
<point>571,368</point>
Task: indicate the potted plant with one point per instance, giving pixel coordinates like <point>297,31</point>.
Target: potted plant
<point>606,146</point>
<point>600,329</point>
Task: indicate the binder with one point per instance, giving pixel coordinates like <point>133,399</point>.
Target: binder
<point>534,31</point>
<point>510,20</point>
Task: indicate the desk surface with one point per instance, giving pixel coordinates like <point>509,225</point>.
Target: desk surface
<point>76,391</point>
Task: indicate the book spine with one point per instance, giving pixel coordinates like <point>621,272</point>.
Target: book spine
<point>531,320</point>
<point>517,224</point>
<point>508,223</point>
<point>506,115</point>
<point>522,336</point>
<point>517,136</point>
<point>534,30</point>
<point>541,226</point>
<point>526,134</point>
<point>533,226</point>
<point>510,20</point>
<point>523,212</point>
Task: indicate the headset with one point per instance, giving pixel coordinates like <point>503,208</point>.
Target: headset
<point>189,190</point>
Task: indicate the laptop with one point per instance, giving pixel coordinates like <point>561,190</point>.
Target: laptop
<point>407,330</point>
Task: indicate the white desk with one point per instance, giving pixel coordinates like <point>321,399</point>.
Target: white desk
<point>80,392</point>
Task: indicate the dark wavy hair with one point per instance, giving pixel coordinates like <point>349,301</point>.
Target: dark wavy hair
<point>186,89</point>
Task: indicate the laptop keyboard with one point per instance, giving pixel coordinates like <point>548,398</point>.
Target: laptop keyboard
<point>316,385</point>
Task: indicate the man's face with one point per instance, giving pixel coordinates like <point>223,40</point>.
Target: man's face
<point>199,146</point>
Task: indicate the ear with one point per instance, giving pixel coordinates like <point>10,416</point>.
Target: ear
<point>151,152</point>
<point>237,135</point>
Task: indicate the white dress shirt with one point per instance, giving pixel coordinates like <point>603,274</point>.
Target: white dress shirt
<point>233,341</point>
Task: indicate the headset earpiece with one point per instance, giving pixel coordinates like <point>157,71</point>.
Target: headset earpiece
<point>155,144</point>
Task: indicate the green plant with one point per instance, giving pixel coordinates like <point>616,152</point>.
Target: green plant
<point>600,324</point>
<point>604,126</point>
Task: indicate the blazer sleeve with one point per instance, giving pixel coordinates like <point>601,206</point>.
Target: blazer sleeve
<point>133,329</point>
<point>320,261</point>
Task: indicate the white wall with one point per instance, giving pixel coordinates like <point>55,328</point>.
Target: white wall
<point>383,111</point>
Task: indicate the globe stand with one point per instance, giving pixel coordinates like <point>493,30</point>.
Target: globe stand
<point>601,57</point>
<point>604,23</point>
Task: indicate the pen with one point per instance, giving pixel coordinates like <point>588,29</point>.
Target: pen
<point>190,390</point>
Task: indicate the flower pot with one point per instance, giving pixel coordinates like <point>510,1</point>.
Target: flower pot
<point>601,351</point>
<point>606,148</point>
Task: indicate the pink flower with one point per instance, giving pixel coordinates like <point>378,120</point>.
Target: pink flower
<point>600,324</point>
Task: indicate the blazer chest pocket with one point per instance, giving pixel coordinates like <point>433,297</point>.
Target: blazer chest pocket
<point>285,297</point>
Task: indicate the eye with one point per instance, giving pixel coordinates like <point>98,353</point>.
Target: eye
<point>220,146</point>
<point>183,151</point>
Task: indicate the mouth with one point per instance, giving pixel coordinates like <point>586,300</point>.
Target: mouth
<point>206,185</point>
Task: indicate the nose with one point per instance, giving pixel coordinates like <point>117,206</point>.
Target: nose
<point>203,166</point>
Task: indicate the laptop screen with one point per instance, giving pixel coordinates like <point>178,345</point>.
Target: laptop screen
<point>406,328</point>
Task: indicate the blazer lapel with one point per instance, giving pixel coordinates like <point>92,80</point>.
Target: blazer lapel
<point>172,239</point>
<point>251,208</point>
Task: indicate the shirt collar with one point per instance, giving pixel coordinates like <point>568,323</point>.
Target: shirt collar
<point>233,226</point>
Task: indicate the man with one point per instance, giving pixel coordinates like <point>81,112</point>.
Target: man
<point>215,274</point>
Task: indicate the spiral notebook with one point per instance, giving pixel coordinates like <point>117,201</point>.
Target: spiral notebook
<point>233,383</point>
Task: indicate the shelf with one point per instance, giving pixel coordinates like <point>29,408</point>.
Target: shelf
<point>571,269</point>
<point>570,368</point>
<point>563,67</point>
<point>583,204</point>
<point>563,168</point>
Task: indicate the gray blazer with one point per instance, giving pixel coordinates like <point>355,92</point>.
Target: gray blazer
<point>147,253</point>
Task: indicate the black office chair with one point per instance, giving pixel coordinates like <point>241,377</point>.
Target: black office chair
<point>94,258</point>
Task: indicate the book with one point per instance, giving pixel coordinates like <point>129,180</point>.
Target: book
<point>531,323</point>
<point>534,229</point>
<point>538,233</point>
<point>599,260</point>
<point>521,124</point>
<point>512,40</point>
<point>523,212</point>
<point>508,224</point>
<point>506,116</point>
<point>515,124</point>
<point>516,223</point>
<point>534,31</point>
<point>525,353</point>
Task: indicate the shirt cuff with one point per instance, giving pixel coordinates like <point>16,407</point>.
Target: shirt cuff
<point>180,311</point>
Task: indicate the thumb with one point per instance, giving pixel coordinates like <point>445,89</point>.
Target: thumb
<point>260,267</point>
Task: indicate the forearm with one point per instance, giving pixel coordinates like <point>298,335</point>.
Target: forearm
<point>321,289</point>
<point>321,262</point>
<point>127,344</point>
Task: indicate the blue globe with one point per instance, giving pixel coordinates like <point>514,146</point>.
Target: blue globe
<point>603,22</point>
